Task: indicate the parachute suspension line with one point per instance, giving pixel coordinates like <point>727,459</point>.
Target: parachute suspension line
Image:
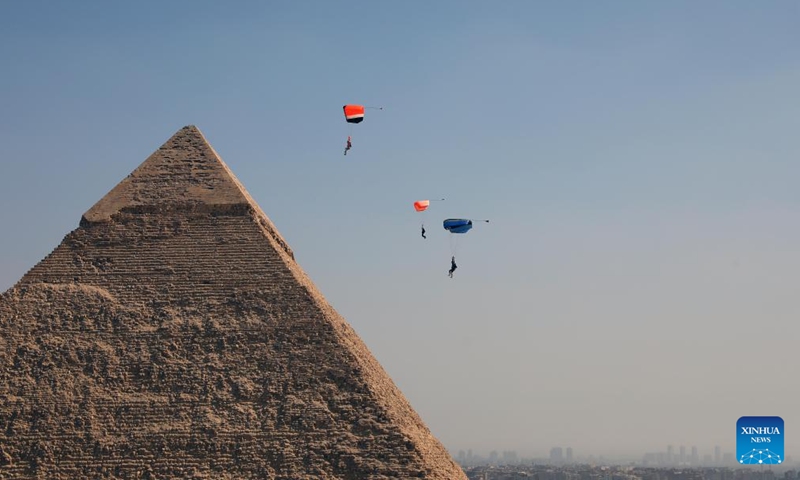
<point>453,245</point>
<point>374,108</point>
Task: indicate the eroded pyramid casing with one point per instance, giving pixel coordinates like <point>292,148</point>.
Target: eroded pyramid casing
<point>172,335</point>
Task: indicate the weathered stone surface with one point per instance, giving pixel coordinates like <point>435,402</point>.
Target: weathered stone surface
<point>172,335</point>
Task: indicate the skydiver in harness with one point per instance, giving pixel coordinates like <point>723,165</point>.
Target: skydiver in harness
<point>453,267</point>
<point>423,232</point>
<point>349,145</point>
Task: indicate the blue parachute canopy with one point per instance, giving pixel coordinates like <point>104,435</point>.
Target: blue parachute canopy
<point>457,225</point>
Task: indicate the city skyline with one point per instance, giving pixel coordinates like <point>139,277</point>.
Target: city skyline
<point>623,472</point>
<point>512,457</point>
<point>697,455</point>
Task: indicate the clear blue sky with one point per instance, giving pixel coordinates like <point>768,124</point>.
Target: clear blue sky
<point>638,283</point>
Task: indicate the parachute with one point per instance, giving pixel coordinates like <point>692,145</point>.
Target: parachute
<point>354,114</point>
<point>457,225</point>
<point>422,206</point>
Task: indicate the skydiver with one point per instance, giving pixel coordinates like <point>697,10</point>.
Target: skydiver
<point>453,266</point>
<point>423,232</point>
<point>349,145</point>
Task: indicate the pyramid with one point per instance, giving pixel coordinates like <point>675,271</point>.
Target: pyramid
<point>173,335</point>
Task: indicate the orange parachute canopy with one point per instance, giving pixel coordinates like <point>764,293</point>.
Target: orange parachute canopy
<point>421,205</point>
<point>354,113</point>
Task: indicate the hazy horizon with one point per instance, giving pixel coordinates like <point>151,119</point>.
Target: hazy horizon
<point>637,284</point>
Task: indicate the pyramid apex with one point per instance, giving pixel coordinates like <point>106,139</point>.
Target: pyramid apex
<point>184,171</point>
<point>189,128</point>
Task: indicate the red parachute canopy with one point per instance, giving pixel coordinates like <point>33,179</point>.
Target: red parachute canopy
<point>354,113</point>
<point>421,205</point>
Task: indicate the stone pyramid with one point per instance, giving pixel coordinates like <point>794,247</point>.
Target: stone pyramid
<point>173,335</point>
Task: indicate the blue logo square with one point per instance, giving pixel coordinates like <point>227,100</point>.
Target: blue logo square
<point>759,440</point>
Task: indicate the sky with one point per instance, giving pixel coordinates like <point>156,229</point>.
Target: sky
<point>637,284</point>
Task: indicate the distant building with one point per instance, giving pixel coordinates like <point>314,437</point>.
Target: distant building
<point>510,457</point>
<point>682,458</point>
<point>556,455</point>
<point>670,454</point>
<point>695,457</point>
<point>717,456</point>
<point>569,454</point>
